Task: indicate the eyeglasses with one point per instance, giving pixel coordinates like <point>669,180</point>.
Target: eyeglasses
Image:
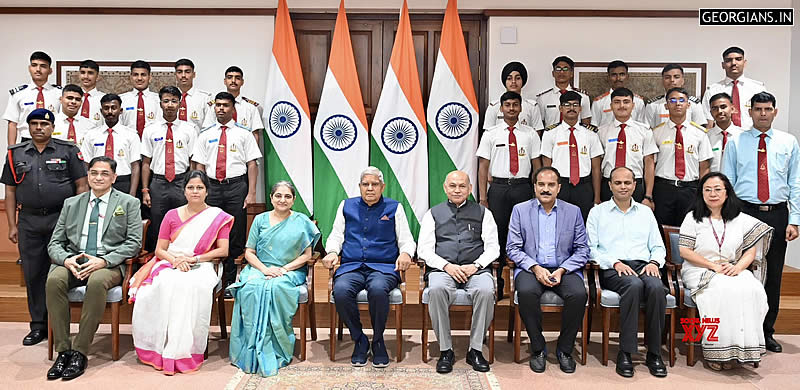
<point>715,190</point>
<point>369,185</point>
<point>562,69</point>
<point>570,105</point>
<point>676,101</point>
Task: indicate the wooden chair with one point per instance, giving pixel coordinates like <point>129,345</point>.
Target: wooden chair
<point>397,302</point>
<point>550,303</point>
<point>117,296</point>
<point>462,303</point>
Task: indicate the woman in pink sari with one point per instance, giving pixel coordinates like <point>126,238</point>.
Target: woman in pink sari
<point>173,291</point>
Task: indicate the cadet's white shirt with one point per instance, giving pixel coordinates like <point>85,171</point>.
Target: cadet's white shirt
<point>530,115</point>
<point>656,112</point>
<point>130,102</point>
<point>94,107</point>
<point>555,145</point>
<point>241,145</point>
<point>494,147</point>
<point>747,88</point>
<point>549,104</point>
<point>247,116</point>
<point>601,109</point>
<point>82,127</point>
<point>715,139</point>
<point>127,147</point>
<point>197,107</point>
<point>696,148</point>
<point>154,141</point>
<point>22,101</point>
<point>639,143</point>
<point>259,107</point>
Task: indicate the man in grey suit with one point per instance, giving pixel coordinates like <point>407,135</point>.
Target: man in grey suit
<point>547,241</point>
<point>95,233</point>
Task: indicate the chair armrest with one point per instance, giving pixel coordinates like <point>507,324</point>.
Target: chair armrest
<point>586,271</point>
<point>143,258</point>
<point>331,274</point>
<point>128,274</point>
<point>511,284</point>
<point>403,286</point>
<point>598,290</point>
<point>675,281</point>
<point>310,277</point>
<point>510,264</point>
<point>422,267</point>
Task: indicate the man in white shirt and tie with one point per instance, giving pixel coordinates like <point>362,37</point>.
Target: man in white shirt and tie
<point>741,89</point>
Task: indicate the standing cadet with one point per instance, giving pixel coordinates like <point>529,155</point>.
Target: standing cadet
<point>762,164</point>
<point>601,107</point>
<point>140,106</point>
<point>117,142</point>
<point>656,110</point>
<point>628,143</point>
<point>89,72</point>
<point>228,152</point>
<point>166,151</point>
<point>684,156</point>
<point>509,152</point>
<point>28,97</point>
<point>740,88</point>
<point>70,126</point>
<point>514,77</point>
<point>723,130</point>
<point>575,149</point>
<point>246,112</point>
<point>39,174</point>
<point>548,101</point>
<point>194,102</point>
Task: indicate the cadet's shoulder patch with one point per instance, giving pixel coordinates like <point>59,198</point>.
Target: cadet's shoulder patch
<point>699,127</point>
<point>654,99</point>
<point>590,127</point>
<point>251,101</point>
<point>56,86</point>
<point>544,92</point>
<point>602,96</point>
<point>694,99</point>
<point>659,125</point>
<point>12,91</point>
<point>211,103</point>
<point>551,127</point>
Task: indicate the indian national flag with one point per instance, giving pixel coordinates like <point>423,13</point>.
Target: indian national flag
<point>399,142</point>
<point>341,145</point>
<point>287,150</point>
<point>452,110</point>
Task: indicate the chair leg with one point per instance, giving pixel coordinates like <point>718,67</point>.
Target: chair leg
<point>303,319</point>
<point>312,316</point>
<point>424,333</point>
<point>115,331</point>
<point>585,334</point>
<point>491,341</point>
<point>205,353</point>
<point>510,335</point>
<point>223,318</point>
<point>49,340</point>
<point>517,334</point>
<point>332,335</point>
<point>606,330</point>
<point>340,335</point>
<point>672,339</point>
<point>399,333</point>
<point>691,313</point>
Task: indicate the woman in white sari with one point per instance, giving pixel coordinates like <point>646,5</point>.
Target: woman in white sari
<point>721,245</point>
<point>173,291</point>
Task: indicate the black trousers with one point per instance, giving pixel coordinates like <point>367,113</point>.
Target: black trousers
<point>34,235</point>
<point>581,195</point>
<point>633,291</point>
<point>672,203</point>
<point>502,198</point>
<point>778,219</point>
<point>605,190</point>
<point>164,196</point>
<point>571,290</point>
<point>378,285</point>
<point>123,184</point>
<point>229,196</point>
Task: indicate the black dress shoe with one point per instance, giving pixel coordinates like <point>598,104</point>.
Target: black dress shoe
<point>445,362</point>
<point>76,366</point>
<point>476,360</point>
<point>58,367</point>
<point>565,362</point>
<point>34,337</point>
<point>773,345</point>
<point>624,364</point>
<point>539,361</point>
<point>656,365</point>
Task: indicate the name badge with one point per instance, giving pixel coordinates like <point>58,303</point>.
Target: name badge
<point>211,141</point>
<point>715,149</point>
<point>130,108</point>
<point>27,104</point>
<point>56,133</point>
<point>612,140</point>
<point>158,139</point>
<point>500,145</point>
<point>666,142</point>
<point>609,110</point>
<point>100,144</point>
<point>552,106</point>
<point>563,143</point>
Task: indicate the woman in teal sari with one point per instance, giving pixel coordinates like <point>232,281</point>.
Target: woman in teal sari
<point>266,293</point>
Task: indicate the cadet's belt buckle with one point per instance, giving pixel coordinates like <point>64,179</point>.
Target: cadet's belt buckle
<point>676,183</point>
<point>764,207</point>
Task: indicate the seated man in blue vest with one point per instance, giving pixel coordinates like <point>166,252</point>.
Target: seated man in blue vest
<point>371,235</point>
<point>458,241</point>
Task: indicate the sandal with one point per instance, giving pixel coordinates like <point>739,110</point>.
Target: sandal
<point>715,366</point>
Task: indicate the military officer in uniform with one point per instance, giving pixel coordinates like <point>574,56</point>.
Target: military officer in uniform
<point>656,110</point>
<point>39,174</point>
<point>723,130</point>
<point>514,77</point>
<point>575,149</point>
<point>228,152</point>
<point>69,125</point>
<point>194,102</point>
<point>684,156</point>
<point>630,144</point>
<point>548,101</point>
<point>140,106</point>
<point>28,97</point>
<point>88,73</point>
<point>247,112</point>
<point>601,107</point>
<point>740,88</point>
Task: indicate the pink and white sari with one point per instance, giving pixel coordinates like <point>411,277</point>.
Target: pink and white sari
<point>173,308</point>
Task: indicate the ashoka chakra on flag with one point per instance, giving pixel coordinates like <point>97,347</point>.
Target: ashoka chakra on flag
<point>338,132</point>
<point>284,119</point>
<point>453,120</point>
<point>399,135</point>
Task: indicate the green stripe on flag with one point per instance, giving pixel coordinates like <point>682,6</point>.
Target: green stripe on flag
<point>393,188</point>
<point>274,171</point>
<point>328,192</point>
<point>439,165</point>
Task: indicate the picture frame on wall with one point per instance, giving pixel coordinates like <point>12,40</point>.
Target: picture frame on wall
<point>115,75</point>
<point>644,78</point>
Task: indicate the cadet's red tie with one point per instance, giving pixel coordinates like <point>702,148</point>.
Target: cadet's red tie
<point>736,117</point>
<point>40,98</point>
<point>234,114</point>
<point>574,164</point>
<point>169,155</point>
<point>85,105</point>
<point>680,165</point>
<point>140,115</point>
<point>182,110</point>
<point>222,154</point>
<point>513,155</point>
<point>71,131</point>
<point>763,172</point>
<point>621,147</point>
<point>724,139</point>
<point>560,114</point>
<point>110,144</point>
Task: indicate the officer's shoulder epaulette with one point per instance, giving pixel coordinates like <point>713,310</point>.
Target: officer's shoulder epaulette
<point>531,101</point>
<point>602,96</point>
<point>56,86</point>
<point>206,128</point>
<point>551,127</point>
<point>251,101</point>
<point>544,92</point>
<point>578,90</point>
<point>211,103</point>
<point>659,125</point>
<point>243,126</point>
<point>699,127</point>
<point>12,91</point>
<point>62,142</point>
<point>654,99</point>
<point>695,99</point>
<point>19,145</point>
<point>590,127</point>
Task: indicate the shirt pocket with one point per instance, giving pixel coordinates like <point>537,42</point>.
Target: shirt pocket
<point>782,162</point>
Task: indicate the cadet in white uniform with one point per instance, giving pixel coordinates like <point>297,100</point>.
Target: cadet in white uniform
<point>724,129</point>
<point>514,77</point>
<point>70,126</point>
<point>548,100</point>
<point>248,112</point>
<point>25,98</point>
<point>140,106</point>
<point>656,110</point>
<point>741,89</point>
<point>601,107</point>
<point>194,102</point>
<point>89,72</point>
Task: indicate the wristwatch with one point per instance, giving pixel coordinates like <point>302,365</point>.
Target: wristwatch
<point>477,265</point>
<point>648,197</point>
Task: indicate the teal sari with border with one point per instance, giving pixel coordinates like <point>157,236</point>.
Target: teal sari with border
<point>262,337</point>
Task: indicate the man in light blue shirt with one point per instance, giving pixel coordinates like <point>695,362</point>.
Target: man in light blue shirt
<point>625,241</point>
<point>763,164</point>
